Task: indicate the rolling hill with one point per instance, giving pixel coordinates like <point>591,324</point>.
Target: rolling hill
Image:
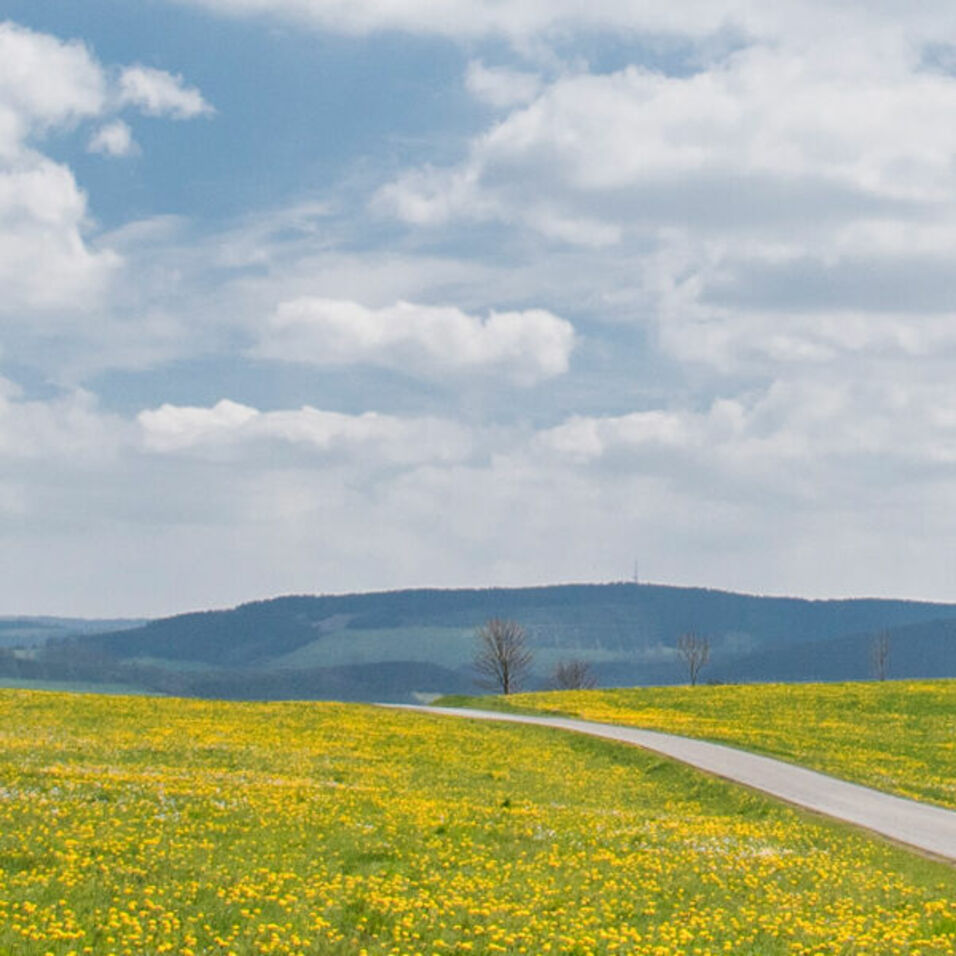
<point>392,645</point>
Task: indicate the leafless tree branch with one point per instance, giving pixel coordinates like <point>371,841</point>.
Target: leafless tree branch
<point>694,652</point>
<point>880,655</point>
<point>573,675</point>
<point>502,660</point>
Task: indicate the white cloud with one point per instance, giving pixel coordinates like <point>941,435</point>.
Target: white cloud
<point>113,139</point>
<point>158,93</point>
<point>779,220</point>
<point>872,302</point>
<point>45,263</point>
<point>735,340</point>
<point>739,493</point>
<point>501,87</point>
<point>787,210</point>
<point>172,427</point>
<point>743,142</point>
<point>44,83</point>
<point>71,428</point>
<point>467,18</point>
<point>526,19</point>
<point>584,438</point>
<point>47,85</point>
<point>435,340</point>
<point>811,438</point>
<point>387,438</point>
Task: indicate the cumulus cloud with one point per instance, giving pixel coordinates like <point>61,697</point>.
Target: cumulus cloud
<point>807,302</point>
<point>524,19</point>
<point>172,427</point>
<point>810,438</point>
<point>387,438</point>
<point>48,85</point>
<point>44,83</point>
<point>71,427</point>
<point>528,346</point>
<point>113,139</point>
<point>467,18</point>
<point>787,208</point>
<point>584,438</point>
<point>45,262</point>
<point>741,340</point>
<point>747,135</point>
<point>499,86</point>
<point>739,492</point>
<point>776,218</point>
<point>158,93</point>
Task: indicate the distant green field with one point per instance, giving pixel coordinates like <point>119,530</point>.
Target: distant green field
<point>452,647</point>
<point>446,646</point>
<point>75,687</point>
<point>134,825</point>
<point>179,665</point>
<point>898,736</point>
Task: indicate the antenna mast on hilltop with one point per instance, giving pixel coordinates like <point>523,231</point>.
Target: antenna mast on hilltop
<point>635,579</point>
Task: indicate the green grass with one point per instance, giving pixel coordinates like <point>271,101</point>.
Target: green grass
<point>445,646</point>
<point>75,686</point>
<point>898,736</point>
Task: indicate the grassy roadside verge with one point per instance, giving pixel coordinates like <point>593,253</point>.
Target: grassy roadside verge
<point>898,736</point>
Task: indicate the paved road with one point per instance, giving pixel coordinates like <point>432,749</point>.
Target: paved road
<point>920,825</point>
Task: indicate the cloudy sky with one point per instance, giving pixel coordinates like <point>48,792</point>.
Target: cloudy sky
<point>329,295</point>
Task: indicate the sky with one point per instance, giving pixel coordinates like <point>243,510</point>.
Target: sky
<point>313,296</point>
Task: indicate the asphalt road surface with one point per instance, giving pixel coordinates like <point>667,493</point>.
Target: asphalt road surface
<point>922,826</point>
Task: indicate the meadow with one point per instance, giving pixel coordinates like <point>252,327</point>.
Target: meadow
<point>898,736</point>
<point>134,825</point>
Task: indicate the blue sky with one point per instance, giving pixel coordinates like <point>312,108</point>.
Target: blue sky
<point>296,112</point>
<point>311,296</point>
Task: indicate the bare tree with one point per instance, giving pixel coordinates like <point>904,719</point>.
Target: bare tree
<point>573,675</point>
<point>694,652</point>
<point>503,660</point>
<point>880,655</point>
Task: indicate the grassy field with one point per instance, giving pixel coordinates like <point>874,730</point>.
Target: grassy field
<point>898,736</point>
<point>154,825</point>
<point>446,646</point>
<point>73,686</point>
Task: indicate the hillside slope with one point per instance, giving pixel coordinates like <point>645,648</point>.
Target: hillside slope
<point>925,649</point>
<point>389,645</point>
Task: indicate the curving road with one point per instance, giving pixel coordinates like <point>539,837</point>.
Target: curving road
<point>923,826</point>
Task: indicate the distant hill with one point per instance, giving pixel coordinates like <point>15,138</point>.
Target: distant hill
<point>26,631</point>
<point>916,650</point>
<point>391,645</point>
